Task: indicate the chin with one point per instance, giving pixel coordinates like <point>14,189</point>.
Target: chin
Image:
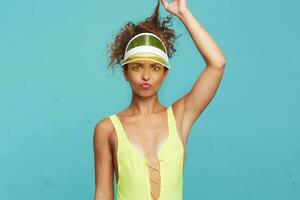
<point>145,93</point>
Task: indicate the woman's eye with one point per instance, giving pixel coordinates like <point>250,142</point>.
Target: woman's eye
<point>156,68</point>
<point>135,67</point>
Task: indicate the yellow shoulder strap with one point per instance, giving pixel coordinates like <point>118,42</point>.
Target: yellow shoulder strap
<point>118,128</point>
<point>172,122</point>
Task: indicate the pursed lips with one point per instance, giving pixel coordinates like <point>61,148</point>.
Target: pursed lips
<point>145,85</point>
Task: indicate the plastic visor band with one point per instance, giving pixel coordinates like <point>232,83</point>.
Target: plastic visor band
<point>146,46</point>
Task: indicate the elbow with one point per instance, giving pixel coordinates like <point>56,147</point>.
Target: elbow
<point>219,64</point>
<point>222,65</point>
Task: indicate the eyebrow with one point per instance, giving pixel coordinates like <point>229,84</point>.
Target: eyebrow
<point>138,63</point>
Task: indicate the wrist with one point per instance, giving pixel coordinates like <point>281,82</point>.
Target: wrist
<point>183,15</point>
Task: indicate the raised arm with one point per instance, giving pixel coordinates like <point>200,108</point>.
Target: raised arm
<point>196,100</point>
<point>103,163</point>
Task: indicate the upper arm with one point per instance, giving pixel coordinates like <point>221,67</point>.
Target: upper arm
<point>103,162</point>
<point>202,92</point>
<point>197,99</point>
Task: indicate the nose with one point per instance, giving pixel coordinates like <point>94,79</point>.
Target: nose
<point>146,74</point>
<point>146,71</point>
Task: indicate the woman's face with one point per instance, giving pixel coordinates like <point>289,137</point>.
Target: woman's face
<point>145,76</point>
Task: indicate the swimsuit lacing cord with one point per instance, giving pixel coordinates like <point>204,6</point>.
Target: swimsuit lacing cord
<point>154,168</point>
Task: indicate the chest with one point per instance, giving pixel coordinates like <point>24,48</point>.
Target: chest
<point>147,139</point>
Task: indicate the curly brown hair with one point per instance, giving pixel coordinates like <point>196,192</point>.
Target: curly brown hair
<point>151,24</point>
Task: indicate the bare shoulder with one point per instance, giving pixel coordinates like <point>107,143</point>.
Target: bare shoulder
<point>184,126</point>
<point>103,131</point>
<point>182,121</point>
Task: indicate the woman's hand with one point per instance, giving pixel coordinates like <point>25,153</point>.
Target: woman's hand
<point>177,7</point>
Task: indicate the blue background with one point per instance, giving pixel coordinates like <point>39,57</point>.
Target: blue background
<point>55,87</point>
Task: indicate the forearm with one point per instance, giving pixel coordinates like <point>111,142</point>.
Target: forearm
<point>209,50</point>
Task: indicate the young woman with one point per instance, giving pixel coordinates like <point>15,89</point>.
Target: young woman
<point>145,143</point>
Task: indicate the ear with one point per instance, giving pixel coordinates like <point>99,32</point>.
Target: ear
<point>125,73</point>
<point>165,75</point>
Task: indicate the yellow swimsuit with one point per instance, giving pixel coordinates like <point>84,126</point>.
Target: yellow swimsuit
<point>138,179</point>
